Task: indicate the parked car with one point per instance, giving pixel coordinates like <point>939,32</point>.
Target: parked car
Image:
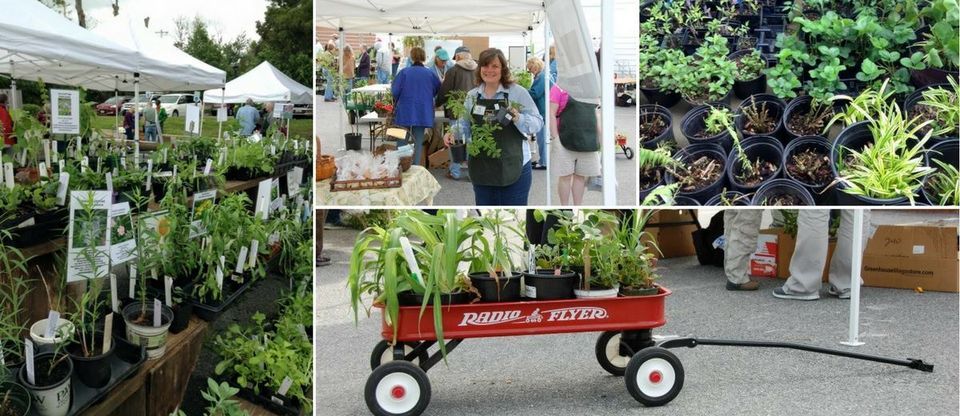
<point>110,106</point>
<point>145,99</point>
<point>176,104</point>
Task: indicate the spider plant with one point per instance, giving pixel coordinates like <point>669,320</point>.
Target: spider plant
<point>947,107</point>
<point>494,254</point>
<point>944,184</point>
<point>866,106</point>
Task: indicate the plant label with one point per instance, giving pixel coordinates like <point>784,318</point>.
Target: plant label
<point>254,246</point>
<point>88,237</point>
<point>303,331</point>
<point>123,240</point>
<point>273,150</point>
<point>60,165</point>
<point>411,259</point>
<point>99,164</point>
<point>64,111</point>
<point>43,170</point>
<point>206,168</point>
<point>164,153</point>
<point>110,184</point>
<point>149,182</point>
<point>79,146</point>
<point>294,178</point>
<point>84,163</point>
<point>23,157</point>
<point>28,357</point>
<point>219,278</point>
<point>123,162</point>
<point>479,110</point>
<point>63,186</point>
<point>136,153</point>
<point>46,151</point>
<point>167,290</point>
<point>157,308</point>
<point>132,274</point>
<point>54,155</point>
<point>263,199</point>
<point>285,386</point>
<point>8,175</point>
<point>53,319</point>
<point>114,300</point>
<point>107,331</point>
<point>241,260</point>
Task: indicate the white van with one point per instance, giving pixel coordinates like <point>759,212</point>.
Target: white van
<point>176,104</point>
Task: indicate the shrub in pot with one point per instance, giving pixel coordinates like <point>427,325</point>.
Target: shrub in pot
<point>749,77</point>
<point>600,250</point>
<point>760,115</point>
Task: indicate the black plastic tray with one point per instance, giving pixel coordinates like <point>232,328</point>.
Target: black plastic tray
<point>288,407</point>
<point>210,312</point>
<point>121,370</point>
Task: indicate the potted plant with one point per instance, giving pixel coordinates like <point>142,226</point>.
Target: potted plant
<point>142,328</point>
<point>938,103</point>
<point>699,171</point>
<point>492,271</point>
<point>551,277</point>
<point>634,266</point>
<point>806,160</point>
<point>760,115</point>
<point>51,387</point>
<point>14,398</point>
<point>938,57</point>
<point>749,77</point>
<point>182,310</point>
<point>709,77</point>
<point>88,349</point>
<point>14,289</point>
<point>942,186</point>
<point>707,124</point>
<point>455,105</point>
<point>599,256</point>
<point>660,71</point>
<point>656,126</point>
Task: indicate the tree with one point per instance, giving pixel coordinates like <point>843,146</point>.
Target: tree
<point>286,34</point>
<point>201,46</point>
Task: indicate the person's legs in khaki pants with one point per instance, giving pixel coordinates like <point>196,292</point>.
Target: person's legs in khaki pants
<point>740,229</point>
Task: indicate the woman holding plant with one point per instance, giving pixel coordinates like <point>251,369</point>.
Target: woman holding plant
<point>500,116</point>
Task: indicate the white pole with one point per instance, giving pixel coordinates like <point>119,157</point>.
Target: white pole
<point>116,114</point>
<point>156,122</point>
<point>546,100</point>
<point>136,106</point>
<point>332,77</point>
<point>223,92</point>
<point>201,118</point>
<point>13,87</point>
<point>606,106</point>
<point>853,334</point>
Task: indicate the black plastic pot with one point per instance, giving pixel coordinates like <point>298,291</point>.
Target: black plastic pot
<point>664,114</point>
<point>685,201</point>
<point>410,298</point>
<point>774,106</point>
<point>694,121</point>
<point>354,141</point>
<point>19,398</point>
<point>914,98</point>
<point>738,199</point>
<point>777,187</point>
<point>725,100</point>
<point>799,105</point>
<point>745,88</point>
<point>931,76</point>
<point>854,137</point>
<point>47,226</point>
<point>181,317</point>
<point>763,147</point>
<point>656,96</point>
<point>947,151</point>
<point>231,290</point>
<point>499,289</point>
<point>690,153</point>
<point>458,153</point>
<point>545,285</point>
<point>821,193</point>
<point>49,387</point>
<point>646,191</point>
<point>92,371</point>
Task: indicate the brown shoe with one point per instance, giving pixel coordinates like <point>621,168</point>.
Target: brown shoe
<point>751,285</point>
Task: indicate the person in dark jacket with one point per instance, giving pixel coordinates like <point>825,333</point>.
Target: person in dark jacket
<point>363,64</point>
<point>414,90</point>
<point>461,77</point>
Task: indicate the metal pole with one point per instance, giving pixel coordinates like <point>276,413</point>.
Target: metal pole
<point>116,114</point>
<point>13,87</point>
<point>136,106</point>
<point>340,114</point>
<point>201,118</point>
<point>223,92</point>
<point>606,106</point>
<point>853,334</point>
<point>546,102</point>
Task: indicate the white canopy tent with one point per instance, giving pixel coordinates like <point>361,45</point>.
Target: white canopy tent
<point>265,83</point>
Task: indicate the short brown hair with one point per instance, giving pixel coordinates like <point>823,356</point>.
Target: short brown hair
<point>486,57</point>
<point>417,55</point>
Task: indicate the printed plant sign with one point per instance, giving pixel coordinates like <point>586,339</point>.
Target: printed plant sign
<point>88,251</point>
<point>65,117</point>
<point>123,241</point>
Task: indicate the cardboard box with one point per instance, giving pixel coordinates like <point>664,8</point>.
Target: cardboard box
<point>673,239</point>
<point>763,266</point>
<point>786,244</point>
<point>913,256</point>
<point>439,159</point>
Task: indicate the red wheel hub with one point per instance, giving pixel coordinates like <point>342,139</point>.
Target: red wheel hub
<point>398,392</point>
<point>656,377</point>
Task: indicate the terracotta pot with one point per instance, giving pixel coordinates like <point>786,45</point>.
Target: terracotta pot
<point>325,167</point>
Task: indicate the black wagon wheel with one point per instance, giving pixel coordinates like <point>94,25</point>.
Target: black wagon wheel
<point>397,388</point>
<point>629,152</point>
<point>654,376</point>
<point>383,352</point>
<point>610,353</point>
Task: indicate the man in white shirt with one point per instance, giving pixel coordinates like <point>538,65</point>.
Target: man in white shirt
<point>384,61</point>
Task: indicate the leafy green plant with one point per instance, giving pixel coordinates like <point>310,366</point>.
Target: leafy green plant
<point>660,68</point>
<point>866,106</point>
<point>944,184</point>
<point>89,308</point>
<point>750,66</point>
<point>718,119</point>
<point>220,400</point>
<point>493,249</point>
<point>14,289</point>
<point>633,268</point>
<point>483,141</point>
<point>941,47</point>
<point>710,75</point>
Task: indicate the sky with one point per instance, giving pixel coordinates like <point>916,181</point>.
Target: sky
<point>228,18</point>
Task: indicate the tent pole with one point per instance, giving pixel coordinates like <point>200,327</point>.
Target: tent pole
<point>340,87</point>
<point>201,117</point>
<point>853,332</point>
<point>156,122</point>
<point>116,114</point>
<point>223,91</point>
<point>606,107</point>
<point>136,106</point>
<point>13,87</point>
<point>546,102</point>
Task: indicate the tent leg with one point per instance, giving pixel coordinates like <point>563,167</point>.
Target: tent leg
<point>223,91</point>
<point>853,332</point>
<point>606,107</point>
<point>136,106</point>
<point>546,106</point>
<point>116,114</point>
<point>13,87</point>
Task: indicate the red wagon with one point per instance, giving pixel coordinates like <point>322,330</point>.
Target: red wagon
<point>399,383</point>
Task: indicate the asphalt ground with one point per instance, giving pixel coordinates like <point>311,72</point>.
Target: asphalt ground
<point>559,375</point>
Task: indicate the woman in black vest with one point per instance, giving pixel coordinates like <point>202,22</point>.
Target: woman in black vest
<point>503,180</point>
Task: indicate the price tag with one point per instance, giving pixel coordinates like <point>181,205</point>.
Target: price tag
<point>219,278</point>
<point>28,356</point>
<point>157,308</point>
<point>53,318</point>
<point>46,151</point>
<point>63,186</point>
<point>43,170</point>
<point>241,260</point>
<point>132,270</point>
<point>107,331</point>
<point>168,290</point>
<point>110,184</point>
<point>114,300</point>
<point>8,175</point>
<point>254,246</point>
<point>285,386</point>
<point>206,168</point>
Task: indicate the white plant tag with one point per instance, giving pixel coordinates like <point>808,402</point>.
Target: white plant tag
<point>28,356</point>
<point>254,246</point>
<point>241,259</point>
<point>136,153</point>
<point>132,271</point>
<point>60,165</point>
<point>53,319</point>
<point>174,171</point>
<point>8,175</point>
<point>46,151</point>
<point>168,290</point>
<point>123,162</point>
<point>23,157</point>
<point>110,184</point>
<point>164,155</point>
<point>63,186</point>
<point>114,300</point>
<point>43,170</point>
<point>79,146</point>
<point>107,331</point>
<point>157,308</point>
<point>219,278</point>
<point>285,386</point>
<point>206,167</point>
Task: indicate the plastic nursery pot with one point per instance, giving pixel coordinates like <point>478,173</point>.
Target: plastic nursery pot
<point>725,100</point>
<point>499,289</point>
<point>685,201</point>
<point>140,330</point>
<point>51,395</point>
<point>546,284</point>
<point>947,152</point>
<point>93,371</point>
<point>458,153</point>
<point>819,145</point>
<point>745,88</point>
<point>647,185</point>
<point>766,149</point>
<point>733,198</point>
<point>354,141</point>
<point>911,102</point>
<point>181,317</point>
<point>855,137</point>
<point>645,291</point>
<point>597,293</point>
<point>931,76</point>
<point>774,107</point>
<point>783,192</point>
<point>656,96</point>
<point>18,399</point>
<point>688,156</point>
<point>651,112</point>
<point>410,298</point>
<point>693,123</point>
<point>38,332</point>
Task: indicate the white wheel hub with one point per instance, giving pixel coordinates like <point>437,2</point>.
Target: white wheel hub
<point>656,377</point>
<point>398,393</point>
<point>613,352</point>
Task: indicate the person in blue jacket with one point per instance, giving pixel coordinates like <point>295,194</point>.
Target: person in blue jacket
<point>414,90</point>
<point>537,93</point>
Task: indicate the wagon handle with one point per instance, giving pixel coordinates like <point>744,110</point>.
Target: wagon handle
<point>913,363</point>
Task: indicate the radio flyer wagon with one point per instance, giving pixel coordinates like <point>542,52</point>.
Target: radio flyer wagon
<point>625,347</point>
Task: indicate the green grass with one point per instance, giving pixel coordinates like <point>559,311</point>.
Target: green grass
<point>174,126</point>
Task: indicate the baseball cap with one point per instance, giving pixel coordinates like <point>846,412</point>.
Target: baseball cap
<point>443,54</point>
<point>462,49</point>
